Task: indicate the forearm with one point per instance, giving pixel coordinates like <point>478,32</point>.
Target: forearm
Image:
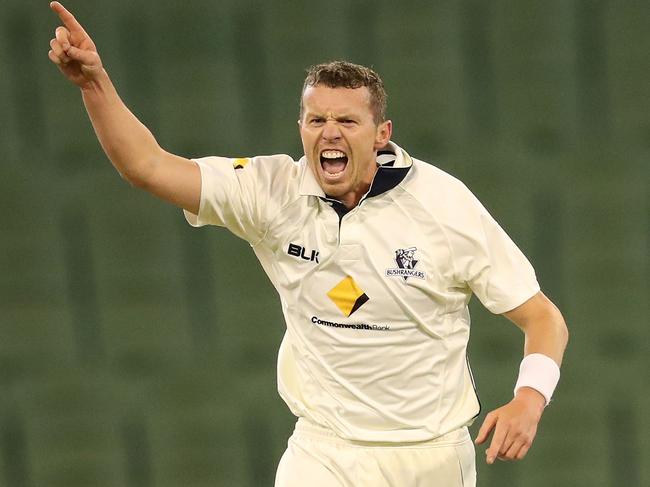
<point>547,334</point>
<point>515,423</point>
<point>129,145</point>
<point>543,327</point>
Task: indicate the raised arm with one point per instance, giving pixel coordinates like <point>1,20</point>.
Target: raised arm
<point>515,424</point>
<point>129,145</point>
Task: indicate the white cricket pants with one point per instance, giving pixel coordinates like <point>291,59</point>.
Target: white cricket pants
<point>316,457</point>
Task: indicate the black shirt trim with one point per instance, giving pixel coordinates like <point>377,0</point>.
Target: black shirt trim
<point>386,178</point>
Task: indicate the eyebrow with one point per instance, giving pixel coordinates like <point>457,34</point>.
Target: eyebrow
<point>343,116</point>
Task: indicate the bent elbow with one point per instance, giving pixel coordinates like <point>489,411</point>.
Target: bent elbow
<point>565,333</point>
<point>562,330</point>
<point>135,180</point>
<point>138,175</point>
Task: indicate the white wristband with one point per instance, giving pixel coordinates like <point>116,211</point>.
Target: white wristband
<point>539,372</point>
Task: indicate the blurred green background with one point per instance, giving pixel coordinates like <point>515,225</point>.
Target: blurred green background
<point>136,351</point>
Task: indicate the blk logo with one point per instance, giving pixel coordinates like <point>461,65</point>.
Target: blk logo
<point>303,253</point>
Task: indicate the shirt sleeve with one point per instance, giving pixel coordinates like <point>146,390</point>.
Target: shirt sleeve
<point>236,194</point>
<point>487,260</point>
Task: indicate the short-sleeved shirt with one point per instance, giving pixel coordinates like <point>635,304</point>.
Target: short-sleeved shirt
<point>375,299</point>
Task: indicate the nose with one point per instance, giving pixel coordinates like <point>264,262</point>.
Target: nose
<point>331,131</point>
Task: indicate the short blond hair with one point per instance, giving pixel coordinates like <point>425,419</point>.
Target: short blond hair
<point>343,74</point>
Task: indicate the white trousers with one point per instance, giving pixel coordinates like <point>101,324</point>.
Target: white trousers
<point>316,457</point>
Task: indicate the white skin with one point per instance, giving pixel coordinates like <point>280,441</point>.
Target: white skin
<point>515,424</point>
<point>333,119</point>
<point>129,145</point>
<point>342,119</point>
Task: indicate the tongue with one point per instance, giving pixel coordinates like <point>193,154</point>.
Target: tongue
<point>333,166</point>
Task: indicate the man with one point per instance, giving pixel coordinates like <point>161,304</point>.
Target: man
<point>375,256</point>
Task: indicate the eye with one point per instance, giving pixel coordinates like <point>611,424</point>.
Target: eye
<point>348,122</point>
<point>316,121</point>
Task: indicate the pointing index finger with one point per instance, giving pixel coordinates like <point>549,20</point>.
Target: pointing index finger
<point>67,18</point>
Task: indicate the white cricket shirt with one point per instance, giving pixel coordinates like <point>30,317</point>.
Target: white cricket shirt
<point>375,299</point>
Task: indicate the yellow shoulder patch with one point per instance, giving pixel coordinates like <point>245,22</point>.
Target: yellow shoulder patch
<point>240,163</point>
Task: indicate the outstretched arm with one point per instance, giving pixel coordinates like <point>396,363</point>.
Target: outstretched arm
<point>515,424</point>
<point>129,145</point>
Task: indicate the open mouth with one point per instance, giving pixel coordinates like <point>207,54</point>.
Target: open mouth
<point>333,162</point>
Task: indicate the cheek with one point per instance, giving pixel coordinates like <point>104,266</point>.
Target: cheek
<point>309,141</point>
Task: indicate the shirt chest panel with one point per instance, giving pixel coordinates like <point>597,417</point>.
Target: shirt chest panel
<point>401,263</point>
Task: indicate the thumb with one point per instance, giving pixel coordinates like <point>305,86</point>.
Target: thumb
<point>89,59</point>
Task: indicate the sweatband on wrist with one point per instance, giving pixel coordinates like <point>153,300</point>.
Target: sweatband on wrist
<point>539,372</point>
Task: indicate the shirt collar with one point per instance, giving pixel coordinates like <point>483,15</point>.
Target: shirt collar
<point>394,164</point>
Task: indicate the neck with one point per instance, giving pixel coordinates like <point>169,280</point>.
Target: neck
<point>352,199</point>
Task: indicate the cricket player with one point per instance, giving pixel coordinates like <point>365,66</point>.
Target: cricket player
<point>375,256</point>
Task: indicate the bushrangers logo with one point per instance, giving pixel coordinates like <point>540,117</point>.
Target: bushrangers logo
<point>406,262</point>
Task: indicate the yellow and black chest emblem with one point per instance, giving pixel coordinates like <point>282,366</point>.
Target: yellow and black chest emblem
<point>348,296</point>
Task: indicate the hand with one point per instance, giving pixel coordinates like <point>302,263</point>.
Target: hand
<point>73,51</point>
<point>514,425</point>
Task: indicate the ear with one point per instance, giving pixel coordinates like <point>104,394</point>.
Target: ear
<point>384,132</point>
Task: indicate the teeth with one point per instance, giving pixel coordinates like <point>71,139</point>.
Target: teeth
<point>332,154</point>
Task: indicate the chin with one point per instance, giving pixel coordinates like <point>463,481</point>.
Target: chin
<point>333,190</point>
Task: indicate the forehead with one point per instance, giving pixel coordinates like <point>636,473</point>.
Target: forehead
<point>323,99</point>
